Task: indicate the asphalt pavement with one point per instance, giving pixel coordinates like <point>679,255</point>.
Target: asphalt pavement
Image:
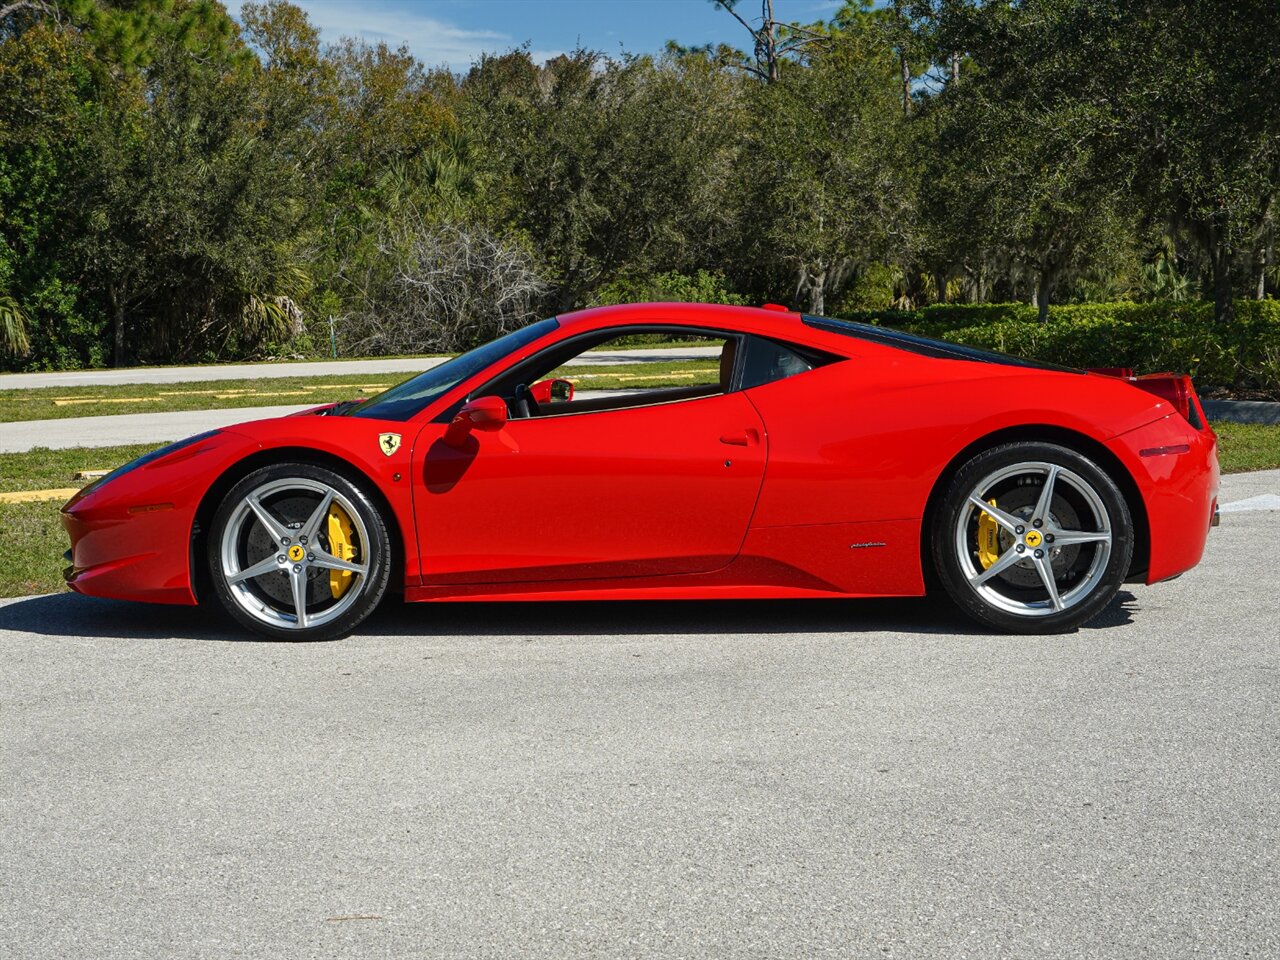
<point>721,780</point>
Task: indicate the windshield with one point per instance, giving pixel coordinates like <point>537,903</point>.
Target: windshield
<point>403,401</point>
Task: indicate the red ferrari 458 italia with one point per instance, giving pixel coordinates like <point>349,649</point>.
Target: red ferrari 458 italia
<point>769,454</point>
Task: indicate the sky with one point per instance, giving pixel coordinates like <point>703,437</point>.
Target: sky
<point>454,33</point>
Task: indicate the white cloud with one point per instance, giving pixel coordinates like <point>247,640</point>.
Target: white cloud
<point>433,41</point>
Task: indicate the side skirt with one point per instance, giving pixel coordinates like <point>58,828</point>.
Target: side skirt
<point>876,559</point>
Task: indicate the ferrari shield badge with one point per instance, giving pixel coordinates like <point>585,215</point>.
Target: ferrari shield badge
<point>389,443</point>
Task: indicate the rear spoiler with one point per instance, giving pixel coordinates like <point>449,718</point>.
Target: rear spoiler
<point>1174,387</point>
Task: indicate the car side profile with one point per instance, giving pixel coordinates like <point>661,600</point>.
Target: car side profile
<point>791,456</point>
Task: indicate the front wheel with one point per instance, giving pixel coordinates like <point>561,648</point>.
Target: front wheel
<point>298,552</point>
<point>1032,538</point>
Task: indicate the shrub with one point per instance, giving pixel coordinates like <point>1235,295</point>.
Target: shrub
<point>700,287</point>
<point>1181,337</point>
<point>441,287</point>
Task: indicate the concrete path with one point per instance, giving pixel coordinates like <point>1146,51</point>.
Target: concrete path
<point>125,428</point>
<point>798,780</point>
<point>255,371</point>
<point>117,429</point>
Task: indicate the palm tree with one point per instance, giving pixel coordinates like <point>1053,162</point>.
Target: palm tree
<point>13,328</point>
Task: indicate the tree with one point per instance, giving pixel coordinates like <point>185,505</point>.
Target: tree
<point>824,161</point>
<point>612,167</point>
<point>773,40</point>
<point>194,211</point>
<point>1197,83</point>
<point>46,107</point>
<point>1025,168</point>
<point>441,286</point>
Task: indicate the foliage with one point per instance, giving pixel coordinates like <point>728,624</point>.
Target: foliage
<point>1181,337</point>
<point>613,167</point>
<point>701,287</point>
<point>179,185</point>
<point>1196,86</point>
<point>441,287</point>
<point>13,328</point>
<point>823,162</point>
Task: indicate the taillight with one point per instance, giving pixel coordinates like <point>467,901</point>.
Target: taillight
<point>1177,389</point>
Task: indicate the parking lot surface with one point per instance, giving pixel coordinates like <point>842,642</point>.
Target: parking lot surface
<point>825,779</point>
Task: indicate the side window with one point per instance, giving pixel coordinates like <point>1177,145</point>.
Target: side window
<point>622,373</point>
<point>767,360</point>
<point>632,367</point>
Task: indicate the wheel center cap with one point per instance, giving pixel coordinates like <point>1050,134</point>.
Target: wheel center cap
<point>296,553</point>
<point>1033,538</point>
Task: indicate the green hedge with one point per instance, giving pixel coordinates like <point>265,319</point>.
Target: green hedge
<point>1150,337</point>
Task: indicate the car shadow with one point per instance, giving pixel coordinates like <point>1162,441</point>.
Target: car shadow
<point>73,615</point>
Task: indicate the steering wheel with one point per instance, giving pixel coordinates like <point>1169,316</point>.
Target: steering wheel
<point>523,402</point>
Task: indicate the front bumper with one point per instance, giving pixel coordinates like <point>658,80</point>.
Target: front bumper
<point>131,536</point>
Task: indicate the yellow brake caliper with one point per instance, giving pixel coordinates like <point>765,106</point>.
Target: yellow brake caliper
<point>988,539</point>
<point>340,546</point>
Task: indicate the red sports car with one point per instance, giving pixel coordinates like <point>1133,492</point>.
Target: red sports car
<point>770,454</point>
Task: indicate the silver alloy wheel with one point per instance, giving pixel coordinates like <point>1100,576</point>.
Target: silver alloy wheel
<point>1033,538</point>
<point>295,554</point>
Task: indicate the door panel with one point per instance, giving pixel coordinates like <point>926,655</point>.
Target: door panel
<point>645,491</point>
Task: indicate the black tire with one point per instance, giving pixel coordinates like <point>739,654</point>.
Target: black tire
<point>240,541</point>
<point>1011,593</point>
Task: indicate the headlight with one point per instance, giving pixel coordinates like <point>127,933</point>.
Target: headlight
<point>150,457</point>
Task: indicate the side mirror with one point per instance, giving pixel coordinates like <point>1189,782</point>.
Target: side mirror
<point>545,391</point>
<point>483,413</point>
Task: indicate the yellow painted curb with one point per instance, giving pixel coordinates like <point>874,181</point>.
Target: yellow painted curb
<point>33,496</point>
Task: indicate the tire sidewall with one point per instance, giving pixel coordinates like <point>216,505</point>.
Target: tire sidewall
<point>955,499</point>
<point>374,585</point>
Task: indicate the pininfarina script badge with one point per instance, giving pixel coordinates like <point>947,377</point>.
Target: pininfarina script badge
<point>389,443</point>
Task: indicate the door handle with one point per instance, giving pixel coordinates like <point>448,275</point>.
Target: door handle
<point>745,439</point>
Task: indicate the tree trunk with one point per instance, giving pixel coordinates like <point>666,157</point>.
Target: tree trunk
<point>906,88</point>
<point>955,67</point>
<point>1042,295</point>
<point>817,295</point>
<point>117,329</point>
<point>1224,310</point>
<point>769,27</point>
<point>812,287</point>
<point>940,286</point>
<point>1264,261</point>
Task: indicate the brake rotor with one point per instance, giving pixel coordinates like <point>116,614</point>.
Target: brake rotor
<point>1021,503</point>
<point>293,511</point>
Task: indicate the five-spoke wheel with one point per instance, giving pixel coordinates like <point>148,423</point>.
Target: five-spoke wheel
<point>1032,537</point>
<point>297,551</point>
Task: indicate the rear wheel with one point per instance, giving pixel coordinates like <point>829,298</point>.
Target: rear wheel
<point>1032,538</point>
<point>298,552</point>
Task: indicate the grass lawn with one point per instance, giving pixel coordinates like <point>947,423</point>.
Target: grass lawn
<point>1247,446</point>
<point>33,552</point>
<point>57,403</point>
<point>34,539</point>
<point>42,469</point>
<point>54,403</point>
